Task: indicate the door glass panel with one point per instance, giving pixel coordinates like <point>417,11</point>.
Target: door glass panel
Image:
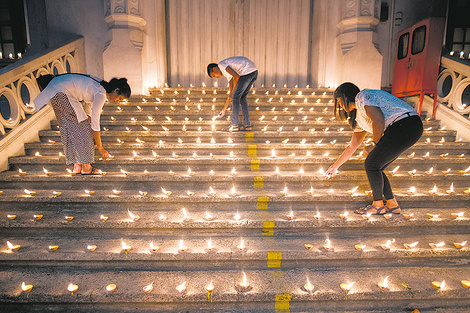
<point>403,42</point>
<point>419,40</point>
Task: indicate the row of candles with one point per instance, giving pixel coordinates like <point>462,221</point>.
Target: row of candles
<point>12,56</point>
<point>182,248</point>
<point>284,192</point>
<point>204,85</point>
<point>244,285</point>
<point>237,217</point>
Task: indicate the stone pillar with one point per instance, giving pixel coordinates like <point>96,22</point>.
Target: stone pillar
<point>361,58</point>
<point>122,56</point>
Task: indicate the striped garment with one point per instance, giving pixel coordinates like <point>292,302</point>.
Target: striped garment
<point>77,137</point>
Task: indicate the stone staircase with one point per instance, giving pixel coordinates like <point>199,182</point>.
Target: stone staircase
<point>182,197</point>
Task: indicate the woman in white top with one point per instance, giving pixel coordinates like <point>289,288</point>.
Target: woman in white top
<point>77,100</point>
<point>395,126</point>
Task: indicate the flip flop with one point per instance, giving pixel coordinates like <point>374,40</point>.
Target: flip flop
<point>94,171</point>
<point>394,210</point>
<point>231,129</point>
<point>370,208</point>
<point>246,127</point>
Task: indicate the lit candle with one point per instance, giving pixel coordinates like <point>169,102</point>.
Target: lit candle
<point>457,215</point>
<point>308,286</point>
<point>241,246</point>
<point>125,247</point>
<point>153,248</point>
<point>208,216</point>
<point>13,247</point>
<point>244,284</point>
<point>347,287</point>
<point>182,247</point>
<point>310,191</point>
<point>437,245</point>
<point>327,245</point>
<point>68,217</point>
<point>432,216</point>
<point>11,216</point>
<point>467,170</point>
<point>451,189</point>
<point>91,247</point>
<point>344,215</point>
<point>103,218</point>
<point>290,216</point>
<point>53,247</point>
<point>88,192</point>
<point>383,285</point>
<point>360,247</point>
<point>38,216</point>
<point>111,287</point>
<point>284,191</point>
<point>21,172</point>
<point>72,288</point>
<point>132,216</point>
<point>410,245</point>
<point>460,245</point>
<point>439,285</point>
<point>29,192</point>
<point>429,172</point>
<point>210,287</point>
<point>387,245</point>
<point>237,216</point>
<point>352,191</point>
<point>148,288</point>
<point>166,192</point>
<point>465,283</point>
<point>25,287</point>
<point>189,193</point>
<point>433,191</point>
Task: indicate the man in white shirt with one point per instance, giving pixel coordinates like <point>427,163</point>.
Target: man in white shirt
<point>241,73</point>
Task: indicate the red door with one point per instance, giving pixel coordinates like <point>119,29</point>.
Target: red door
<point>418,58</point>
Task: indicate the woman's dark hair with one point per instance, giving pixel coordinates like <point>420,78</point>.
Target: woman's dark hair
<point>347,92</point>
<point>210,68</point>
<point>119,83</point>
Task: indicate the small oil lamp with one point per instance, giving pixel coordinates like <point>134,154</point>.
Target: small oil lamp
<point>210,287</point>
<point>133,216</point>
<point>290,216</point>
<point>344,215</point>
<point>360,247</point>
<point>241,246</point>
<point>451,189</point>
<point>91,247</point>
<point>467,170</point>
<point>181,287</point>
<point>13,247</point>
<point>21,172</point>
<point>148,288</point>
<point>410,245</point>
<point>111,287</point>
<point>153,248</point>
<point>26,288</point>
<point>72,288</point>
<point>68,217</point>
<point>383,285</point>
<point>53,247</point>
<point>29,192</point>
<point>327,245</point>
<point>465,283</point>
<point>437,245</point>
<point>47,172</point>
<point>182,247</point>
<point>432,216</point>
<point>460,245</point>
<point>208,216</point>
<point>166,192</point>
<point>103,218</point>
<point>439,285</point>
<point>125,247</point>
<point>408,215</point>
<point>457,215</point>
<point>244,284</point>
<point>38,216</point>
<point>284,191</point>
<point>11,216</point>
<point>347,287</point>
<point>308,286</point>
<point>433,191</point>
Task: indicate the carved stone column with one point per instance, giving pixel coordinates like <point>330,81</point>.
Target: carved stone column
<point>361,58</point>
<point>122,56</point>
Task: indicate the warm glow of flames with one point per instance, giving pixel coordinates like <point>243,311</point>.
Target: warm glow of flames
<point>210,287</point>
<point>133,216</point>
<point>308,286</point>
<point>384,285</point>
<point>72,288</point>
<point>182,247</point>
<point>13,247</point>
<point>347,287</point>
<point>125,247</point>
<point>241,246</point>
<point>411,245</point>
<point>244,284</point>
<point>148,288</point>
<point>25,287</point>
<point>181,287</point>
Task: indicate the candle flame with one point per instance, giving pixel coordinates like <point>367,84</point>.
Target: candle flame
<point>241,246</point>
<point>132,216</point>
<point>210,287</point>
<point>384,284</point>
<point>148,288</point>
<point>181,287</point>
<point>182,247</point>
<point>244,284</point>
<point>308,286</point>
<point>347,287</point>
<point>25,287</point>
<point>125,247</point>
<point>72,288</point>
<point>411,245</point>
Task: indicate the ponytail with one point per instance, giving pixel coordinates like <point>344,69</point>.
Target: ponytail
<point>347,92</point>
<point>117,83</point>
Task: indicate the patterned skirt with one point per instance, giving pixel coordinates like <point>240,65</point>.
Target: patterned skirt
<point>77,137</point>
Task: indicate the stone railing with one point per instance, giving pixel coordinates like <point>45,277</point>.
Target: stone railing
<point>453,85</point>
<point>19,121</point>
<point>18,85</point>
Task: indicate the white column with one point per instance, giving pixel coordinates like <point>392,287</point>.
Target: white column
<point>361,60</point>
<point>123,52</point>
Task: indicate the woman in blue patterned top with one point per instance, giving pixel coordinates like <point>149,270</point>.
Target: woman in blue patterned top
<point>395,126</point>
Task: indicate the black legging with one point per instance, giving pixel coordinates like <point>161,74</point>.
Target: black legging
<point>397,138</point>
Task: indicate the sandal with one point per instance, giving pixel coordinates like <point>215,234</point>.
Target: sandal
<point>370,209</point>
<point>246,127</point>
<point>231,129</point>
<point>94,171</point>
<point>396,210</point>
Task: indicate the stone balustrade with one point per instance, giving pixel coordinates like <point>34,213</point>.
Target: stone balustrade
<point>18,85</point>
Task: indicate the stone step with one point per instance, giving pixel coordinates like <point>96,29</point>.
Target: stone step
<point>408,287</point>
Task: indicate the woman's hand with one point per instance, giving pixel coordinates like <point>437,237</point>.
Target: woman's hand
<point>221,114</point>
<point>332,171</point>
<point>103,152</point>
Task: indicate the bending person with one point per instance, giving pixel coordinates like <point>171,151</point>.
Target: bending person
<point>79,124</point>
<point>395,126</point>
<point>241,73</point>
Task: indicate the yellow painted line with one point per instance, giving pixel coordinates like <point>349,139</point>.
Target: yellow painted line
<point>259,182</point>
<point>255,165</point>
<point>274,259</point>
<point>249,136</point>
<point>268,228</point>
<point>282,302</point>
<point>252,151</point>
<point>262,203</point>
